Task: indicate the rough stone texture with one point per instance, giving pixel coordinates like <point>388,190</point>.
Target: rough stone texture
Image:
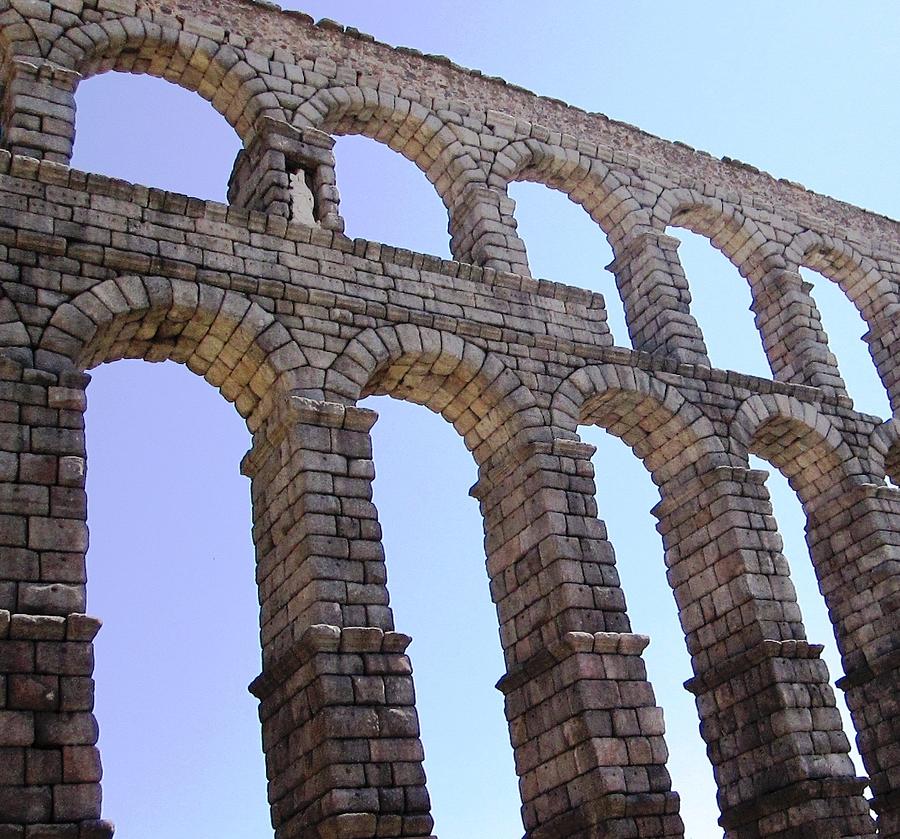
<point>294,324</point>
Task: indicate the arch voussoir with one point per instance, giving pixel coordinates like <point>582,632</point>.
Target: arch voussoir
<point>231,341</point>
<point>797,439</point>
<point>484,400</point>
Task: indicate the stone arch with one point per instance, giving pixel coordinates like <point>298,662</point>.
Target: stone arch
<point>786,315</point>
<point>609,197</point>
<point>655,303</point>
<point>847,519</point>
<point>218,72</point>
<point>856,274</point>
<point>799,441</point>
<point>475,391</point>
<point>723,557</point>
<point>220,335</point>
<point>664,429</point>
<point>404,125</point>
<point>875,297</point>
<point>747,246</point>
<point>23,42</point>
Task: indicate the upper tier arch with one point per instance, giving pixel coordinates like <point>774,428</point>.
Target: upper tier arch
<point>858,275</point>
<point>752,249</point>
<point>220,73</point>
<point>607,195</point>
<point>404,125</point>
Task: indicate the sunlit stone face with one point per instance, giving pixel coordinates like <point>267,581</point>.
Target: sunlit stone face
<point>294,322</point>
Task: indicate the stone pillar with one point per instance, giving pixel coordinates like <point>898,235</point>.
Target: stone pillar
<point>791,327</point>
<point>883,338</point>
<point>657,299</point>
<point>483,231</point>
<point>587,734</point>
<point>767,710</point>
<point>337,703</point>
<point>289,172</point>
<point>854,538</point>
<point>49,764</point>
<point>38,110</point>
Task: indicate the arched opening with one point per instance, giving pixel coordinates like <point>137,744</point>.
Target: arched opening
<point>703,483</point>
<point>720,302</point>
<point>788,511</point>
<point>171,573</point>
<point>440,596</point>
<point>385,198</point>
<point>845,328</point>
<point>120,134</point>
<point>171,561</point>
<point>566,245</point>
<point>641,412</point>
<point>815,492</point>
<point>474,786</point>
<point>625,496</point>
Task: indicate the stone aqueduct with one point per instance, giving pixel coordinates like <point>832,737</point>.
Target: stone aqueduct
<point>294,323</point>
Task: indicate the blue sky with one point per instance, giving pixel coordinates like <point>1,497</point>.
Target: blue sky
<point>799,89</point>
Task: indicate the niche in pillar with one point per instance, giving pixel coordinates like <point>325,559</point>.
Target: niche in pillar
<point>289,172</point>
<point>302,208</point>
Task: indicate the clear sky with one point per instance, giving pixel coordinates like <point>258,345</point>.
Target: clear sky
<point>800,89</point>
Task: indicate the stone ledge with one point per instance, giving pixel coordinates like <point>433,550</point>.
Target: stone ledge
<point>92,829</point>
<point>324,638</point>
<point>723,672</point>
<point>25,627</point>
<point>41,68</point>
<point>637,243</point>
<point>886,803</point>
<point>884,664</point>
<point>678,496</point>
<point>299,410</point>
<point>11,367</point>
<point>361,825</point>
<point>502,464</point>
<point>572,643</point>
<point>842,497</point>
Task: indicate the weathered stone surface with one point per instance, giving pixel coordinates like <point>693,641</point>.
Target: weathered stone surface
<point>294,323</point>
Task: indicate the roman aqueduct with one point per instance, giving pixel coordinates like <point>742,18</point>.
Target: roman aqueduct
<point>294,322</point>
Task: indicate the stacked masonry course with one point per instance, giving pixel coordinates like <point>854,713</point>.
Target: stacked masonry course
<point>294,323</point>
